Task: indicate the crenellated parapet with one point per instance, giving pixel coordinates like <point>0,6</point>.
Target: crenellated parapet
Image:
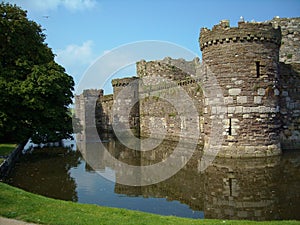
<point>107,98</point>
<point>125,107</point>
<point>256,68</point>
<point>223,33</point>
<point>168,68</point>
<point>121,82</point>
<point>92,93</point>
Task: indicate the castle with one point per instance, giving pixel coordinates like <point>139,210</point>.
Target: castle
<point>255,108</point>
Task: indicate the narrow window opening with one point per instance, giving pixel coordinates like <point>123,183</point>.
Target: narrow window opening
<point>257,69</point>
<point>229,128</point>
<point>230,186</point>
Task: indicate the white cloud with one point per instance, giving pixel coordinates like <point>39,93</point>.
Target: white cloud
<point>76,58</point>
<point>45,5</point>
<point>78,4</point>
<point>76,54</point>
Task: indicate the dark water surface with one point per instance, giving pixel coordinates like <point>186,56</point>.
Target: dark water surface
<point>256,189</point>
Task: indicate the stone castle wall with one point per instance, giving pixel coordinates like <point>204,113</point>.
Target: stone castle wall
<point>256,65</point>
<point>103,112</point>
<point>244,60</point>
<point>167,67</point>
<point>125,111</point>
<point>163,82</point>
<point>85,105</point>
<point>289,57</point>
<point>290,42</point>
<point>290,105</point>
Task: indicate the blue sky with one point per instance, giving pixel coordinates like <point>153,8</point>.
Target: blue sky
<point>79,31</point>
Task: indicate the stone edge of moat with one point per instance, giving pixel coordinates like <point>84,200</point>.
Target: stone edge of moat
<point>10,161</point>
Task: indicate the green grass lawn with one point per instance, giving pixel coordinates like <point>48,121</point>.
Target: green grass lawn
<point>18,204</point>
<point>5,150</point>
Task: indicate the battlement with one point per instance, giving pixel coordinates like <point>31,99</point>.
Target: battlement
<point>92,92</point>
<point>122,81</point>
<point>174,69</point>
<point>256,67</point>
<point>187,66</point>
<point>107,98</point>
<point>253,31</point>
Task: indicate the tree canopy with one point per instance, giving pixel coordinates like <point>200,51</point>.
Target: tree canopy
<point>35,91</point>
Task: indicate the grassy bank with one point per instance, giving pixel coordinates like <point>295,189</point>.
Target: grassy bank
<point>5,150</point>
<point>18,204</point>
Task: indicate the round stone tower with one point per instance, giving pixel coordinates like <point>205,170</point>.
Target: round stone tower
<point>244,60</point>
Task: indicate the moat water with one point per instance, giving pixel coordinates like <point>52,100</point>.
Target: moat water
<point>255,189</point>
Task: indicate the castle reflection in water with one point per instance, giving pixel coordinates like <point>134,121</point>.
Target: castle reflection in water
<point>251,188</point>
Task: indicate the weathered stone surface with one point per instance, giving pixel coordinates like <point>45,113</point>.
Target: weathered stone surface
<point>234,91</point>
<point>241,99</point>
<point>257,68</point>
<point>261,91</point>
<point>290,44</point>
<point>257,99</point>
<point>245,61</point>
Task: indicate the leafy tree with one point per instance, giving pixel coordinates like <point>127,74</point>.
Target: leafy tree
<point>35,91</point>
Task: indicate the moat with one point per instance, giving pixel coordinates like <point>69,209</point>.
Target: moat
<point>253,188</point>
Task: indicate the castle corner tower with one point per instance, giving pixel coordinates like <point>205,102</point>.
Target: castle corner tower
<point>244,60</point>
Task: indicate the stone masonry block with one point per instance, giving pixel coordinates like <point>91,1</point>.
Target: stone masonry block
<point>257,99</point>
<point>228,100</point>
<point>239,109</point>
<point>241,99</point>
<point>261,91</point>
<point>234,91</point>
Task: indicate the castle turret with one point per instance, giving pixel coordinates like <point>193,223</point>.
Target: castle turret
<point>244,60</point>
<point>85,105</point>
<point>125,110</point>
